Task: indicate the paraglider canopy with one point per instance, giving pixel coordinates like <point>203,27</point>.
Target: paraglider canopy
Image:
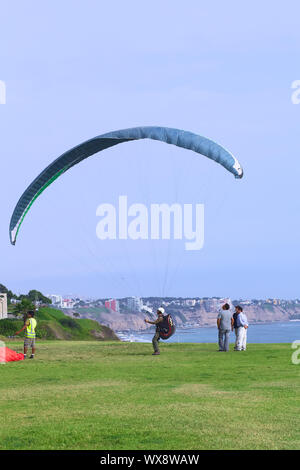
<point>8,355</point>
<point>180,138</point>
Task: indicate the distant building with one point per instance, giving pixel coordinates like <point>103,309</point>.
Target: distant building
<point>113,305</point>
<point>175,302</point>
<point>190,302</point>
<point>135,304</point>
<point>67,303</point>
<point>3,306</point>
<point>56,299</point>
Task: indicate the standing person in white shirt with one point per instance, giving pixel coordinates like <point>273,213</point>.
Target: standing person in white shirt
<point>241,330</point>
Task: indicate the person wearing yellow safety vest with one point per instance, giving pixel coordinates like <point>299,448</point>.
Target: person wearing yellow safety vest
<point>29,327</point>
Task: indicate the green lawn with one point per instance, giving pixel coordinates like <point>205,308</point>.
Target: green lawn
<point>95,395</point>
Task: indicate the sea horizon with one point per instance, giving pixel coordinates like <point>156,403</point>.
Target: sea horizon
<point>267,332</point>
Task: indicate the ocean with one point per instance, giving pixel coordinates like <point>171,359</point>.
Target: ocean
<point>279,332</point>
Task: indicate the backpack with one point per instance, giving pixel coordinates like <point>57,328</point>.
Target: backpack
<point>167,327</point>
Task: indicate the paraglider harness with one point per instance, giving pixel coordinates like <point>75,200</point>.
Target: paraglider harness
<point>167,327</point>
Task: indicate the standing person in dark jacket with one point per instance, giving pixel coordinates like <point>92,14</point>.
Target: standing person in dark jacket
<point>225,323</point>
<point>234,326</point>
<point>155,340</point>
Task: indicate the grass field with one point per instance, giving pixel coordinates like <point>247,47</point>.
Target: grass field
<point>95,395</point>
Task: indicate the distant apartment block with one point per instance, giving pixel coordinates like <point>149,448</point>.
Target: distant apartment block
<point>135,304</point>
<point>113,305</point>
<point>3,306</point>
<point>56,299</point>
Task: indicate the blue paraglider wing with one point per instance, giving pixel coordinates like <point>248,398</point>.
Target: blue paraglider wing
<point>177,137</point>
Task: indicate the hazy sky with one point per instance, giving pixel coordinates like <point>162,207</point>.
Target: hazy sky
<point>77,69</point>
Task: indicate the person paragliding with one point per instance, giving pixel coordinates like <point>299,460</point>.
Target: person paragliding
<point>156,338</point>
<point>165,328</point>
